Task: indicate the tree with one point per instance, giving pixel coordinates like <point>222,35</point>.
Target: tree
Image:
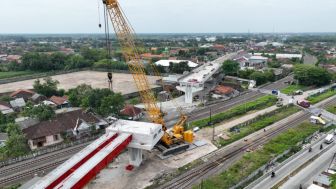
<point>311,75</point>
<point>41,112</point>
<point>112,104</point>
<point>230,67</point>
<point>179,68</point>
<point>48,88</point>
<point>16,145</point>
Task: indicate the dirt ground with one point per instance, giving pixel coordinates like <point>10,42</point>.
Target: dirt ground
<point>123,83</point>
<point>116,177</point>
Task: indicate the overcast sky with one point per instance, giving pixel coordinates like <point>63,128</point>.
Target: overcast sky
<point>171,16</point>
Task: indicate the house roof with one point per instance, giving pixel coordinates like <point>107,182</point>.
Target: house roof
<point>223,90</point>
<point>18,103</point>
<point>166,63</point>
<point>130,111</point>
<point>61,123</point>
<point>36,96</point>
<point>59,100</point>
<point>22,92</point>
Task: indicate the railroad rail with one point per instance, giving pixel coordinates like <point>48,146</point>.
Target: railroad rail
<point>193,176</point>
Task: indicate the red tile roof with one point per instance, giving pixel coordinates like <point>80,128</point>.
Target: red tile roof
<point>224,90</point>
<point>130,111</point>
<point>59,100</point>
<point>22,91</point>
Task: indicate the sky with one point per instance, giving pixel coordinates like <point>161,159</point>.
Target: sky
<point>171,16</point>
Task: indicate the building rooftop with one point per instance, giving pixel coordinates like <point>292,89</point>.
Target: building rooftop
<point>61,122</point>
<point>166,63</point>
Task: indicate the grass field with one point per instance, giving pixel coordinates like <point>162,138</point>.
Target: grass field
<point>237,111</point>
<point>292,88</point>
<point>260,124</point>
<point>252,161</point>
<point>322,96</point>
<point>5,75</point>
<point>332,108</point>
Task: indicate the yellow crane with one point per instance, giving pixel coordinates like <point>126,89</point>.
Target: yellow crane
<point>126,37</point>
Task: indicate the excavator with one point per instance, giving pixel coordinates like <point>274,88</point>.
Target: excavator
<point>175,140</point>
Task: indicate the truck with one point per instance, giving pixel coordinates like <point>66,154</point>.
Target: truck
<point>303,103</point>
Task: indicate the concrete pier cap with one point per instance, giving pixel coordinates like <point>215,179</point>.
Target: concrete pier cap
<point>144,137</point>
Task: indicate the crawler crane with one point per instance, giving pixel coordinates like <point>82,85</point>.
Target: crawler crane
<point>178,138</point>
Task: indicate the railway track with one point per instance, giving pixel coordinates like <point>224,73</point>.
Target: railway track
<point>27,169</point>
<point>189,178</point>
<point>196,175</point>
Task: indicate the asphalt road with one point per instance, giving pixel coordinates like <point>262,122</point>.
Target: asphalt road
<point>306,176</point>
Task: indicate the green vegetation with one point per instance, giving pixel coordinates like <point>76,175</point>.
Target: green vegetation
<point>309,75</point>
<point>102,101</point>
<point>179,68</point>
<point>252,161</point>
<point>48,88</point>
<point>41,112</point>
<point>260,124</point>
<point>10,74</point>
<point>321,96</point>
<point>260,103</point>
<point>260,77</point>
<point>332,109</point>
<point>16,145</point>
<point>292,88</point>
<point>230,67</point>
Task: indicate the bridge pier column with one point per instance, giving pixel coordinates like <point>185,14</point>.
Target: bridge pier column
<point>135,156</point>
<point>189,94</point>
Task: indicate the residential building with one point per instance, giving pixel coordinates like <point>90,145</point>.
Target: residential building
<point>132,112</point>
<point>166,63</point>
<point>22,93</point>
<point>51,132</point>
<point>5,108</point>
<point>60,102</point>
<point>18,104</point>
<point>38,98</point>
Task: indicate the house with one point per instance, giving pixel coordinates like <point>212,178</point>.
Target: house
<point>60,102</point>
<point>14,58</point>
<point>222,91</point>
<point>5,108</point>
<point>51,132</point>
<point>132,112</point>
<point>249,61</point>
<point>150,56</point>
<point>18,104</point>
<point>37,98</point>
<point>3,139</point>
<point>22,93</point>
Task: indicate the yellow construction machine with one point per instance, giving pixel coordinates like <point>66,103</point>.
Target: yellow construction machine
<point>176,140</point>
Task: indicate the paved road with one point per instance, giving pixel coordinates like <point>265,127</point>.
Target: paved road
<point>307,175</point>
<point>291,166</point>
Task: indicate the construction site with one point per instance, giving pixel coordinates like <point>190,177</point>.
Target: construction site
<point>236,119</point>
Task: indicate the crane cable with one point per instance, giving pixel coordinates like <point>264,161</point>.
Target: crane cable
<point>108,46</point>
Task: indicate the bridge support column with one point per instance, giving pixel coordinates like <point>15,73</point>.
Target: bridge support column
<point>135,156</point>
<point>189,94</point>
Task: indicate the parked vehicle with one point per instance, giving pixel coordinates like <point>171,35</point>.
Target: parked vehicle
<point>304,103</point>
<point>275,92</point>
<point>329,139</point>
<point>298,92</point>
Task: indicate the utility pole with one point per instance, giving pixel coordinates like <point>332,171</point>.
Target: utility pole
<point>213,126</point>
